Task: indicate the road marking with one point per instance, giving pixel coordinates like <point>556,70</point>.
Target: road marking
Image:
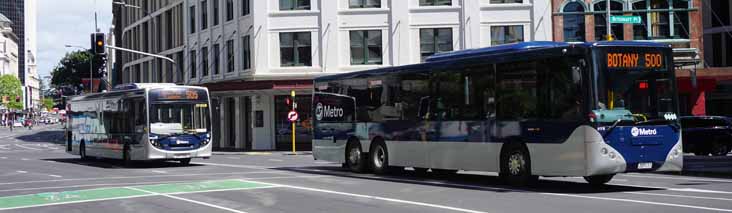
<point>275,160</point>
<point>3,158</point>
<point>21,171</point>
<point>25,159</point>
<point>232,165</point>
<point>235,158</point>
<point>146,176</point>
<point>90,195</point>
<point>681,196</point>
<point>159,171</point>
<point>25,147</point>
<point>371,197</point>
<point>56,176</point>
<point>189,200</point>
<point>640,201</point>
<point>679,178</point>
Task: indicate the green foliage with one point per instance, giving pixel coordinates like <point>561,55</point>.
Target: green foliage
<point>10,86</point>
<point>75,66</point>
<point>48,103</point>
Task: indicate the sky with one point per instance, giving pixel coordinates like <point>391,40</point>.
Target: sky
<point>62,22</point>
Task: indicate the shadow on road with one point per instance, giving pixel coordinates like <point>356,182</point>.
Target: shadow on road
<point>46,136</point>
<point>470,181</point>
<point>119,164</point>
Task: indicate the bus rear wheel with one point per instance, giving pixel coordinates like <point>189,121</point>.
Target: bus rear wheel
<point>720,148</point>
<point>380,158</point>
<point>598,180</point>
<point>516,165</point>
<point>355,159</point>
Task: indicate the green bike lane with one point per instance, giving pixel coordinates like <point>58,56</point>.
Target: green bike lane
<point>127,192</point>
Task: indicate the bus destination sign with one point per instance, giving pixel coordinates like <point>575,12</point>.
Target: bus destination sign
<point>629,60</point>
<point>187,94</point>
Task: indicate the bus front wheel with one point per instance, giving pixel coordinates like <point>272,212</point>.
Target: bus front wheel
<point>355,159</point>
<point>185,162</point>
<point>516,165</point>
<point>598,180</point>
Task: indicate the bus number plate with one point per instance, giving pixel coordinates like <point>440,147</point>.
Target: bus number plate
<point>645,165</point>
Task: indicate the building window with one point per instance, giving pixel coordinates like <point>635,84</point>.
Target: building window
<point>366,47</point>
<point>230,56</point>
<point>204,61</point>
<point>217,59</point>
<point>574,24</point>
<point>229,10</point>
<point>246,61</point>
<point>433,41</point>
<point>640,31</point>
<point>364,3</point>
<point>245,7</point>
<point>601,22</point>
<point>204,14</point>
<point>215,12</point>
<point>295,49</point>
<point>192,21</point>
<point>681,19</point>
<point>507,34</point>
<point>659,18</point>
<point>193,63</point>
<point>507,1</point>
<point>435,2</point>
<point>294,4</point>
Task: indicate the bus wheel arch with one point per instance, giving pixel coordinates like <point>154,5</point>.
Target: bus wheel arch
<point>355,157</point>
<point>515,164</point>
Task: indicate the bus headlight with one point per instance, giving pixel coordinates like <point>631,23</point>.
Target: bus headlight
<point>612,155</point>
<point>155,143</point>
<point>204,142</point>
<point>603,151</point>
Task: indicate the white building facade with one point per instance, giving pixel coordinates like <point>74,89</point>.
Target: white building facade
<point>32,92</point>
<point>8,48</point>
<point>252,53</point>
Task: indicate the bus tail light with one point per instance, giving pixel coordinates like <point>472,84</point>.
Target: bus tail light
<point>592,117</point>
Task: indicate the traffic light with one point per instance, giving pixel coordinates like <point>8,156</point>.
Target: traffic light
<point>98,43</point>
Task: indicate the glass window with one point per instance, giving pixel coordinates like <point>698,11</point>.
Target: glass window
<point>230,56</point>
<point>204,14</point>
<point>246,60</point>
<point>295,49</point>
<point>366,47</point>
<point>434,40</point>
<point>193,63</point>
<point>506,1</point>
<point>283,126</point>
<point>204,61</point>
<point>294,4</point>
<point>507,34</point>
<point>601,22</point>
<point>364,3</point>
<point>215,12</point>
<point>517,90</point>
<point>660,15</point>
<point>681,19</point>
<point>245,7</point>
<point>659,20</point>
<point>217,58</point>
<point>229,10</point>
<point>192,20</point>
<point>574,24</point>
<point>640,31</point>
<point>435,2</point>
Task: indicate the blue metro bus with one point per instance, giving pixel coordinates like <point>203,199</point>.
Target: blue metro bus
<point>141,122</point>
<point>523,110</point>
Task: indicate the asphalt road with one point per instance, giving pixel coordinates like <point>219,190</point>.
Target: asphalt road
<point>36,175</point>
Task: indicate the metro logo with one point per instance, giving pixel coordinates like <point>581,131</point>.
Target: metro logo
<point>635,132</point>
<point>324,112</point>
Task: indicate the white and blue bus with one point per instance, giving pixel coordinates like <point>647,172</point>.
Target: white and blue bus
<point>141,122</point>
<point>523,110</point>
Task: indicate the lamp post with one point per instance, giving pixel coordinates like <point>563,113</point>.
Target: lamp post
<point>91,67</point>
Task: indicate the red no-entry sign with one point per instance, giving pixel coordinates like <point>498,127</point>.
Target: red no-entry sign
<point>292,116</point>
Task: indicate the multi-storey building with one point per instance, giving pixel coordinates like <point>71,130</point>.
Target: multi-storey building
<point>718,57</point>
<point>8,48</point>
<point>22,13</point>
<point>152,27</point>
<point>252,53</point>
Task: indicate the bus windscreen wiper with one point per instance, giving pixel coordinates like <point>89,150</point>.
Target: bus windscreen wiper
<point>610,130</point>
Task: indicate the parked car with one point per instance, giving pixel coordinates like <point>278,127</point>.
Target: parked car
<point>704,135</point>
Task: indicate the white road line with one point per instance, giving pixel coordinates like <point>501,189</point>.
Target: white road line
<point>148,183</point>
<point>275,160</point>
<point>679,178</point>
<point>187,200</point>
<point>145,176</point>
<point>371,197</point>
<point>236,158</point>
<point>159,171</point>
<point>681,196</point>
<point>676,189</point>
<point>25,159</point>
<point>642,202</point>
<point>25,147</point>
<point>80,201</point>
<point>21,171</point>
<point>56,176</point>
<point>232,165</point>
<point>3,158</point>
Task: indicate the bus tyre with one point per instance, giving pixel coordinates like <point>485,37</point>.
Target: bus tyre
<point>355,159</point>
<point>185,162</point>
<point>421,171</point>
<point>720,148</point>
<point>82,150</point>
<point>516,165</point>
<point>444,172</point>
<point>379,158</point>
<point>598,180</point>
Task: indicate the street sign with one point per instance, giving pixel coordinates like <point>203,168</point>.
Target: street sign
<point>292,116</point>
<point>625,19</point>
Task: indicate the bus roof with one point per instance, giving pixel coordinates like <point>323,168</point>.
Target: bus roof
<point>495,51</point>
<point>126,89</point>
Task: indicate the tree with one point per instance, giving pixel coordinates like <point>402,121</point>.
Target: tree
<point>10,86</point>
<point>48,103</point>
<point>74,67</point>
